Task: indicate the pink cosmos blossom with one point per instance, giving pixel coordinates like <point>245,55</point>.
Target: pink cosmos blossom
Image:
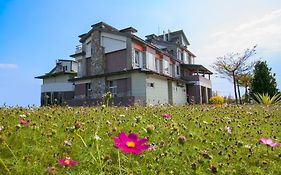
<point>23,121</point>
<point>131,143</point>
<point>268,141</point>
<point>67,162</point>
<point>166,116</point>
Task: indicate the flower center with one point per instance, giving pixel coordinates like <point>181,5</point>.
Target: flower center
<point>130,144</point>
<point>67,162</point>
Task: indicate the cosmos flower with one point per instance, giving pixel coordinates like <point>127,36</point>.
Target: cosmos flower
<point>130,144</point>
<point>268,142</point>
<point>51,170</point>
<point>23,121</point>
<point>66,162</point>
<point>166,116</point>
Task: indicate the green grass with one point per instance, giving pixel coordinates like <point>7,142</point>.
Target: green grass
<point>208,147</point>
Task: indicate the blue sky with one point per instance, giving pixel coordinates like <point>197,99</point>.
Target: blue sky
<point>33,34</point>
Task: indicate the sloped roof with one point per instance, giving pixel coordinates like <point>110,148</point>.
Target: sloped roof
<point>197,67</point>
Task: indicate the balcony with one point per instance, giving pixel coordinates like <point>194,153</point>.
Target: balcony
<point>198,80</point>
<point>78,49</point>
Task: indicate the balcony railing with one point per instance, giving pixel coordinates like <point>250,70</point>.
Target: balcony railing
<point>78,48</point>
<point>197,78</point>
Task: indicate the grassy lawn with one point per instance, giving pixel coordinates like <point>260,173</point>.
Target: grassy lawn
<point>196,140</point>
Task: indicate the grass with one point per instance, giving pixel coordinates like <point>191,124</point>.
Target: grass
<point>222,140</point>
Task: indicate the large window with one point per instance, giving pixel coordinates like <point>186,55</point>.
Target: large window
<point>157,65</point>
<point>137,58</point>
<point>166,67</point>
<point>113,87</point>
<point>150,58</point>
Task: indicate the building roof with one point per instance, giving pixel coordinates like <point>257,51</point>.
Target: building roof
<point>48,75</point>
<point>197,67</point>
<point>179,32</point>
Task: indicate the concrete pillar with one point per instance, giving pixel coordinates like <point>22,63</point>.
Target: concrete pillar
<point>207,95</point>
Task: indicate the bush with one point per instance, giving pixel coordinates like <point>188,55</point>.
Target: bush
<point>216,100</point>
<point>266,99</point>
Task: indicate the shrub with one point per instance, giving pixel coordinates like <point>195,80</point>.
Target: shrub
<point>266,99</point>
<point>216,100</point>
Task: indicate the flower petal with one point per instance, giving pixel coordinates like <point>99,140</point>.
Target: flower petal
<point>72,162</point>
<point>133,137</point>
<point>141,141</point>
<point>262,140</point>
<point>274,144</point>
<point>122,136</point>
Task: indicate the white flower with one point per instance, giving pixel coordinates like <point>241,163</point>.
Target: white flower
<point>67,143</point>
<point>96,137</point>
<point>1,128</point>
<point>228,129</point>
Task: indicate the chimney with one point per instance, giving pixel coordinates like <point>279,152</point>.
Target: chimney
<point>164,35</point>
<point>169,37</point>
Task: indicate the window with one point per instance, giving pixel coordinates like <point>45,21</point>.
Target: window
<point>166,66</point>
<point>150,61</point>
<point>88,49</point>
<point>113,87</point>
<point>88,89</point>
<point>150,85</point>
<point>177,70</point>
<point>137,58</point>
<point>64,68</point>
<point>157,65</point>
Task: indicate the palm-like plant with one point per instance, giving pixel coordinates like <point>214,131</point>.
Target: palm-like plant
<point>267,99</point>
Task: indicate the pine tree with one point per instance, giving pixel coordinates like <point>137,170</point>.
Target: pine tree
<point>263,80</point>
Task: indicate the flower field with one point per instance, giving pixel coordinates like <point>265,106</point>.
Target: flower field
<point>140,140</point>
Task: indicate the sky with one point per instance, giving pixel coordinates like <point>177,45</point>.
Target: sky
<point>33,34</point>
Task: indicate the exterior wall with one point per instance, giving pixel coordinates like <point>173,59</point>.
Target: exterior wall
<point>57,87</point>
<point>116,61</point>
<point>97,57</point>
<point>124,87</point>
<point>138,83</point>
<point>112,42</point>
<point>194,93</point>
<point>179,94</point>
<point>158,94</point>
<point>80,91</point>
<point>57,84</point>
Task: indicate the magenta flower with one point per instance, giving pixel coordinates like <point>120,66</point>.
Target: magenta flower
<point>131,143</point>
<point>23,121</point>
<point>67,162</point>
<point>166,116</point>
<point>268,142</point>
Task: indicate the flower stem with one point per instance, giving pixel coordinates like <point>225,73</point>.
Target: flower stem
<point>5,167</point>
<point>119,163</point>
<point>10,150</point>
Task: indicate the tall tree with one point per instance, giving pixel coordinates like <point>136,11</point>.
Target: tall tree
<point>244,80</point>
<point>263,80</point>
<point>232,64</point>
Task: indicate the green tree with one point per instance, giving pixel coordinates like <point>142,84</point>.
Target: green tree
<point>263,80</point>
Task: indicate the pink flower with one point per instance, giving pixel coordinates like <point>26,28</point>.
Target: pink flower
<point>130,143</point>
<point>166,116</point>
<point>23,121</point>
<point>268,141</point>
<point>67,162</point>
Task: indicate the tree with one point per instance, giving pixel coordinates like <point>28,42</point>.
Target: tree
<point>263,80</point>
<point>232,64</point>
<point>244,80</point>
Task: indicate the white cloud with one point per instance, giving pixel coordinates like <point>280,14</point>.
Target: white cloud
<point>264,31</point>
<point>8,66</point>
